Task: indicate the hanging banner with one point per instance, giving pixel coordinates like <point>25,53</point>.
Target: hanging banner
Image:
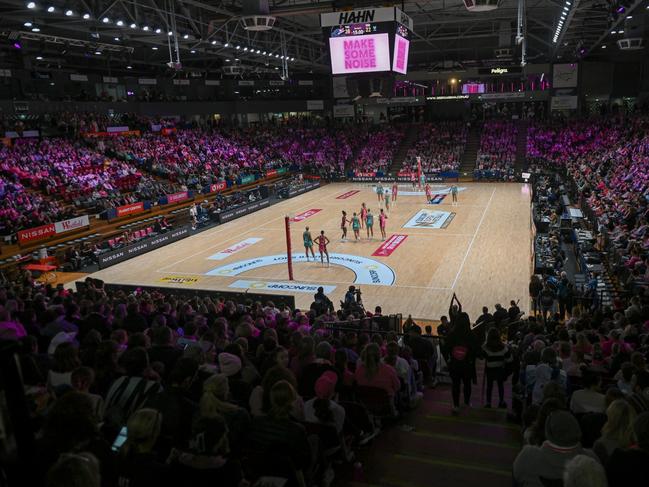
<point>46,231</point>
<point>565,75</point>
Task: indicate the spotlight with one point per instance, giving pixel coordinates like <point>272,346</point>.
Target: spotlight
<point>117,39</point>
<point>50,9</point>
<point>258,51</point>
<point>292,59</point>
<point>186,36</point>
<point>27,24</point>
<point>120,23</point>
<point>154,48</point>
<point>98,53</point>
<point>213,43</point>
<point>193,51</point>
<point>69,13</point>
<point>227,60</point>
<point>31,5</point>
<point>170,33</point>
<point>158,30</point>
<point>18,45</point>
<point>245,49</point>
<point>133,25</point>
<point>603,46</point>
<point>145,28</point>
<point>86,16</point>
<point>238,47</point>
<point>105,20</point>
<point>129,67</point>
<point>227,44</point>
<point>36,29</point>
<point>39,58</point>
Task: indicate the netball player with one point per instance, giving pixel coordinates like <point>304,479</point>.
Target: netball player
<point>395,191</point>
<point>387,200</point>
<point>379,192</point>
<point>429,193</point>
<point>382,219</point>
<point>454,192</point>
<point>422,180</point>
<point>322,242</point>
<point>369,223</point>
<point>343,225</point>
<point>308,243</point>
<point>363,214</point>
<point>356,225</point>
<point>413,180</point>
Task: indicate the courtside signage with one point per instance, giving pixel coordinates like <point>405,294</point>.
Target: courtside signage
<point>233,249</point>
<point>390,245</point>
<point>443,190</point>
<point>348,194</point>
<point>296,287</point>
<point>366,270</point>
<point>305,214</point>
<point>430,219</point>
<point>179,279</point>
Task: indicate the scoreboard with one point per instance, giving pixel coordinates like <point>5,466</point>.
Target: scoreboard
<point>368,40</point>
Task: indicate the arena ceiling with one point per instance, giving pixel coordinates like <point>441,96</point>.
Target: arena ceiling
<point>111,35</point>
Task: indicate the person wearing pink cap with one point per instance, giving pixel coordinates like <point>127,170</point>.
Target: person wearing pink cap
<point>322,409</point>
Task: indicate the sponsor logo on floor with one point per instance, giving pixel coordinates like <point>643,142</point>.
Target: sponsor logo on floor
<point>437,199</point>
<point>179,279</point>
<point>233,249</point>
<point>305,214</point>
<point>366,270</point>
<point>298,287</point>
<point>390,245</point>
<point>348,194</point>
<point>430,219</point>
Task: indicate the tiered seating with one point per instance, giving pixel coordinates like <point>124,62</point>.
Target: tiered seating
<point>379,149</point>
<point>440,146</point>
<point>497,151</point>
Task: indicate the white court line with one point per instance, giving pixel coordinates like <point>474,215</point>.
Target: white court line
<point>214,232</point>
<point>266,278</point>
<point>459,271</point>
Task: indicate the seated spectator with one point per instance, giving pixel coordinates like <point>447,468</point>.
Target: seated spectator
<point>618,430</point>
<point>372,372</point>
<point>628,467</point>
<point>138,463</point>
<point>535,465</point>
<point>588,399</point>
<point>584,471</point>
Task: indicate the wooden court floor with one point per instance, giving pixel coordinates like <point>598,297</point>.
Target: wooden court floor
<point>479,249</point>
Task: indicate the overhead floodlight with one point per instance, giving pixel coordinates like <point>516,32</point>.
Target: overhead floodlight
<point>186,36</point>
<point>105,20</point>
<point>213,43</point>
<point>39,58</point>
<point>158,30</point>
<point>155,48</point>
<point>117,39</point>
<point>227,44</point>
<point>145,28</point>
<point>245,49</point>
<point>120,23</point>
<point>31,5</point>
<point>50,9</point>
<point>238,47</point>
<point>69,13</point>
<point>98,53</point>
<point>170,33</point>
<point>193,51</point>
<point>133,25</point>
<point>36,29</point>
<point>28,24</point>
<point>129,67</point>
<point>86,16</point>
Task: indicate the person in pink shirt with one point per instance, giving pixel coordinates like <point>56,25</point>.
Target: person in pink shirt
<point>371,372</point>
<point>382,220</point>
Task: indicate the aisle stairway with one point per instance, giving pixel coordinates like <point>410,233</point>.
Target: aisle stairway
<point>412,134</point>
<point>521,146</point>
<point>475,448</point>
<point>470,152</point>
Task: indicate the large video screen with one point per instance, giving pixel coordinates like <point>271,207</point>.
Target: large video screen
<point>359,54</point>
<point>473,88</point>
<point>400,59</point>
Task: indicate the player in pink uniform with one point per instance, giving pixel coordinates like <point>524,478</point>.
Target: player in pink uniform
<point>382,219</point>
<point>343,225</point>
<point>322,242</point>
<point>363,215</point>
<point>429,193</point>
<point>395,191</point>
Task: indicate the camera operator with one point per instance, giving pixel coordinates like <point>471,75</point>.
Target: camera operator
<point>321,303</point>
